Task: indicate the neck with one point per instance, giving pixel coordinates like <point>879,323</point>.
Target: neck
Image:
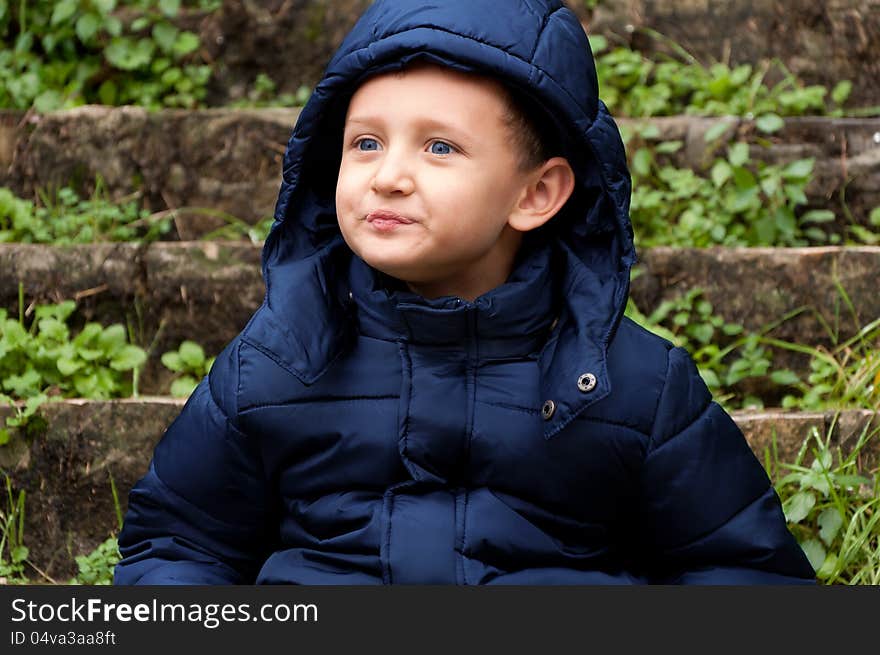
<point>491,272</point>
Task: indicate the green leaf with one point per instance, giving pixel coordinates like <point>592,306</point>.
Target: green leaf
<point>186,43</point>
<point>598,43</point>
<point>169,7</point>
<point>830,522</point>
<point>23,385</point>
<point>669,147</point>
<point>798,169</point>
<point>183,387</point>
<point>87,26</point>
<point>104,6</point>
<point>784,377</point>
<point>32,404</point>
<point>815,552</point>
<point>192,354</point>
<point>90,354</point>
<point>818,216</point>
<point>67,366</point>
<point>112,339</point>
<point>171,360</point>
<point>127,54</point>
<point>769,123</point>
<point>798,506</point>
<point>19,554</point>
<point>642,162</point>
<point>828,567</point>
<point>4,436</point>
<point>874,216</point>
<point>48,100</point>
<point>716,131</point>
<point>738,153</point>
<point>841,91</point>
<point>107,92</point>
<point>710,378</point>
<point>139,24</point>
<point>721,172</point>
<point>702,332</point>
<point>128,358</point>
<point>63,10</point>
<point>113,26</point>
<point>165,35</point>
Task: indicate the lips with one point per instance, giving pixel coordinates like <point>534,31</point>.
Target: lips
<point>387,216</point>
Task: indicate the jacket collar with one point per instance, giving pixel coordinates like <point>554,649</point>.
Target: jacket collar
<point>549,288</point>
<point>512,319</point>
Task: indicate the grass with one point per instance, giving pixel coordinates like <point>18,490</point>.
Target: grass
<point>832,505</point>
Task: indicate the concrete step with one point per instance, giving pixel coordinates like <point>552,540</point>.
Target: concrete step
<point>820,42</point>
<point>66,462</point>
<point>230,159</point>
<point>167,292</point>
<point>207,291</point>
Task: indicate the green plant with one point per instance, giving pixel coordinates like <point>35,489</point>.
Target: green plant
<point>64,218</point>
<point>741,202</point>
<point>832,507</point>
<point>236,228</point>
<point>43,360</point>
<point>71,52</point>
<point>725,354</point>
<point>96,568</point>
<point>189,362</point>
<point>845,375</point>
<point>263,93</point>
<point>13,552</point>
<point>633,84</point>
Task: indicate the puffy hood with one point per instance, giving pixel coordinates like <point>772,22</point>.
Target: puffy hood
<point>535,46</point>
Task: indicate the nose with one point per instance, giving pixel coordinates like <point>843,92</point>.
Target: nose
<point>393,174</point>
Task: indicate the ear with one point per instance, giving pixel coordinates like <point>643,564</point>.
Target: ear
<point>545,192</point>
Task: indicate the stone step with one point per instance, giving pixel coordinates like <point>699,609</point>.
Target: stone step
<point>167,292</point>
<point>66,462</point>
<point>820,42</point>
<point>230,159</point>
<point>207,291</point>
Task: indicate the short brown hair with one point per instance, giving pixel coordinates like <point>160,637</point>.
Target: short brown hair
<point>529,129</point>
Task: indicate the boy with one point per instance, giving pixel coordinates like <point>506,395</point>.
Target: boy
<point>440,386</point>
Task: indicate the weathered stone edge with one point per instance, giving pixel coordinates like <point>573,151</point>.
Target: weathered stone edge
<point>66,463</point>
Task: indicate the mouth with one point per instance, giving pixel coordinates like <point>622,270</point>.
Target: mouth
<point>385,220</point>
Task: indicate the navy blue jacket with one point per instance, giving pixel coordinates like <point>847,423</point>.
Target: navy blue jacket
<point>357,433</point>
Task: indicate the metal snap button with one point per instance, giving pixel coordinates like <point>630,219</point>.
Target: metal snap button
<point>586,382</point>
<point>548,409</point>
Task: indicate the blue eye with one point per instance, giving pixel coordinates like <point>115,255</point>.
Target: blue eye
<point>358,144</point>
<point>441,143</point>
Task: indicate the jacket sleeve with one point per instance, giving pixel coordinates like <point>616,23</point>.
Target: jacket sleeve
<point>201,514</point>
<point>710,513</point>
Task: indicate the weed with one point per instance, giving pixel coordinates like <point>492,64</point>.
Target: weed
<point>833,508</point>
<point>13,552</point>
<point>62,54</point>
<point>43,360</point>
<point>64,218</point>
<point>189,362</point>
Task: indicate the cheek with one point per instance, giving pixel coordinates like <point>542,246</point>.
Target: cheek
<point>345,191</point>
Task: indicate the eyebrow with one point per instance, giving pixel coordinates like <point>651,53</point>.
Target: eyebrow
<point>425,122</point>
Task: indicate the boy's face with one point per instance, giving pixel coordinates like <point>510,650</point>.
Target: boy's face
<point>432,147</point>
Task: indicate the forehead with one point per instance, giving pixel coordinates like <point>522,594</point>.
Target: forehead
<point>430,94</point>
